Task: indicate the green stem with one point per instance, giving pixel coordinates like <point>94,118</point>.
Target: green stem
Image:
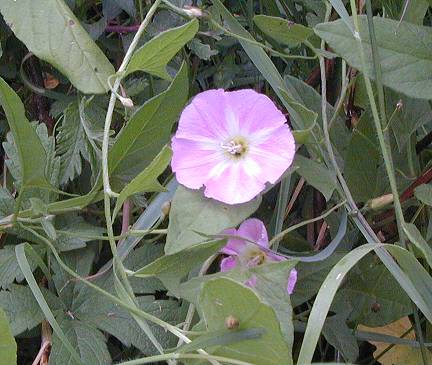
<point>280,235</point>
<point>173,329</point>
<point>255,43</point>
<point>177,356</point>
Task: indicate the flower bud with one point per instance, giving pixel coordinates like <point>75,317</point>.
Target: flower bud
<point>165,208</point>
<point>127,102</point>
<point>380,202</point>
<point>193,11</point>
<point>399,105</point>
<point>231,322</point>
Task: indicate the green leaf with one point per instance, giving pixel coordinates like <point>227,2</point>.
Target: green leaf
<point>221,298</point>
<point>417,239</point>
<point>71,145</point>
<point>149,129</point>
<point>89,342</point>
<point>361,169</point>
<point>22,308</point>
<point>61,41</point>
<point>203,51</point>
<point>283,31</point>
<point>9,269</point>
<point>147,180</point>
<point>204,215</point>
<point>74,232</point>
<point>167,267</point>
<point>316,174</point>
<point>31,153</point>
<point>424,194</point>
<point>340,336</point>
<point>404,50</point>
<point>8,346</point>
<point>156,53</point>
<point>371,296</point>
<point>324,299</point>
<point>307,116</point>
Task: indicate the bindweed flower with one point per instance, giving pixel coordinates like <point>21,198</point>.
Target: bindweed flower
<point>247,254</point>
<point>232,143</point>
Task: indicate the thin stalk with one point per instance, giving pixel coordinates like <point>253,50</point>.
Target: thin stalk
<point>280,235</point>
<point>177,356</point>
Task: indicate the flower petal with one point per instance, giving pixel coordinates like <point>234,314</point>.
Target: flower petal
<point>228,263</point>
<point>233,185</point>
<point>292,280</point>
<point>274,155</point>
<point>254,230</point>
<point>252,281</point>
<point>254,111</point>
<point>233,246</point>
<point>193,161</point>
<point>204,118</point>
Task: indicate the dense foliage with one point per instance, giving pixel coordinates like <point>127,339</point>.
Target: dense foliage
<point>106,258</point>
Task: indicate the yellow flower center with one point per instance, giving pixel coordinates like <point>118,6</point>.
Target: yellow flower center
<point>235,147</point>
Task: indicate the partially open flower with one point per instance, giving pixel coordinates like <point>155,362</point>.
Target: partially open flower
<point>232,143</point>
<point>247,254</point>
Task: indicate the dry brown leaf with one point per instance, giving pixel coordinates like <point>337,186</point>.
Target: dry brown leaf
<point>398,354</point>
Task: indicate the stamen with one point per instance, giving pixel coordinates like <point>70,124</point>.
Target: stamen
<point>233,148</point>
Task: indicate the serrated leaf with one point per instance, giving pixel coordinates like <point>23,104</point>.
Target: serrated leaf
<point>148,130</point>
<point>87,340</point>
<point>8,346</point>
<point>61,41</point>
<point>146,181</point>
<point>205,215</point>
<point>9,268</point>
<point>221,298</point>
<point>70,144</point>
<point>154,56</point>
<point>22,308</point>
<point>283,31</point>
<point>32,156</point>
<point>52,164</point>
<point>74,232</point>
<point>404,50</point>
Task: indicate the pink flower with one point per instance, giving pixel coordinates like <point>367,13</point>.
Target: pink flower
<point>246,254</point>
<point>232,143</point>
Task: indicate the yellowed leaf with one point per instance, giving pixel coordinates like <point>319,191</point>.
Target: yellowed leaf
<point>398,354</point>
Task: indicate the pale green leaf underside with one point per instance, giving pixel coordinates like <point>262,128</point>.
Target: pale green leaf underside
<point>205,215</point>
<point>51,31</point>
<point>221,298</point>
